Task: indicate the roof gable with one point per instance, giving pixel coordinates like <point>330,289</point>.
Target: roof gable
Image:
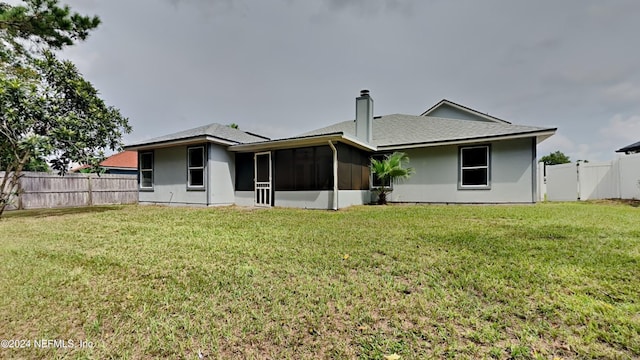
<point>450,110</point>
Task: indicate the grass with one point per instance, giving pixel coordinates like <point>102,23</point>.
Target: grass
<point>521,282</point>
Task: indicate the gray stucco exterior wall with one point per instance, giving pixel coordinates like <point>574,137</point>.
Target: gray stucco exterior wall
<point>170,178</point>
<point>221,174</point>
<point>436,178</point>
<point>437,174</point>
<point>321,199</point>
<point>311,199</point>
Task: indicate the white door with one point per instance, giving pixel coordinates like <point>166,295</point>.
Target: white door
<point>263,179</point>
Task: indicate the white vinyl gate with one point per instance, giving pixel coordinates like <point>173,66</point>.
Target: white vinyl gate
<point>562,182</point>
<point>616,179</point>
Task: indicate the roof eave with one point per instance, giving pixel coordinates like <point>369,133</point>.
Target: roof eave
<point>301,141</point>
<point>119,167</point>
<point>178,142</point>
<point>539,135</point>
<point>635,147</point>
<point>629,150</point>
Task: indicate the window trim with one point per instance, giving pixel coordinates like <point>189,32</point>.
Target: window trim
<point>203,168</point>
<point>461,168</point>
<point>141,170</point>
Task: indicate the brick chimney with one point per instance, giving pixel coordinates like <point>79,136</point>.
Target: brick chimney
<point>364,117</point>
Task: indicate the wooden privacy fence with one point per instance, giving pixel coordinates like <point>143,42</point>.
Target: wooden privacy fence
<point>42,190</point>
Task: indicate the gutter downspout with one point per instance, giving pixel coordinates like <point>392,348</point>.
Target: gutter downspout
<point>207,175</point>
<point>335,175</point>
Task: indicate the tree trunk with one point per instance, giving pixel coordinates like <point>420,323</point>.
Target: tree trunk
<point>382,197</point>
<point>10,180</point>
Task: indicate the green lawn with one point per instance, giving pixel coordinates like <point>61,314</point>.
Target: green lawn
<point>544,281</point>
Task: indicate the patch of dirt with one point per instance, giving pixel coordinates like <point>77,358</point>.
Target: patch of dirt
<point>630,202</point>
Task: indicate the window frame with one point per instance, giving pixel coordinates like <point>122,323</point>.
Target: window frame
<point>203,168</point>
<point>141,170</point>
<point>461,168</point>
<point>372,175</point>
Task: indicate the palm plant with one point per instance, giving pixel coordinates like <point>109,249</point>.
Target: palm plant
<point>388,171</point>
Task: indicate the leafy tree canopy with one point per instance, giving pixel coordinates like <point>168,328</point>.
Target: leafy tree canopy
<point>56,114</point>
<point>555,158</point>
<point>47,109</point>
<point>42,23</point>
<point>37,164</point>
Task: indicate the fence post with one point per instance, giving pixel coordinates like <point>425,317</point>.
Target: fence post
<point>90,199</point>
<point>19,193</point>
<point>618,174</point>
<point>578,180</point>
<point>542,187</point>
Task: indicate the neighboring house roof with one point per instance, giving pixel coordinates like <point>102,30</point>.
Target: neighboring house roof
<point>217,133</point>
<point>630,149</point>
<point>448,103</point>
<point>400,130</point>
<point>124,160</point>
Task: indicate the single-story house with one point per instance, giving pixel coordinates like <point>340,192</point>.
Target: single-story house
<point>460,155</point>
<point>123,163</point>
<point>630,149</point>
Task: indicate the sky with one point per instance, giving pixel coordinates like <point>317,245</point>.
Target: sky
<point>283,67</point>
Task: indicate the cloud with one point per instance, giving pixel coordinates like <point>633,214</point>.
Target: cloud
<point>619,131</point>
<point>557,142</point>
<point>368,7</point>
<point>608,12</point>
<point>624,92</point>
<point>575,151</point>
<point>623,128</point>
<point>210,8</point>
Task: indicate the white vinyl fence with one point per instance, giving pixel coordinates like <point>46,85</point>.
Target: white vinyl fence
<point>616,179</point>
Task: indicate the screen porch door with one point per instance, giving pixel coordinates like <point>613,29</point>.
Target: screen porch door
<point>263,179</point>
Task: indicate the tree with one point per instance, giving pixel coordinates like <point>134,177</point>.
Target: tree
<point>47,109</point>
<point>390,170</point>
<point>42,23</point>
<point>234,126</point>
<point>555,158</point>
<point>37,164</point>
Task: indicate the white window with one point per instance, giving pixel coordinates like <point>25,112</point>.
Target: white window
<point>475,167</point>
<point>146,170</point>
<point>195,171</point>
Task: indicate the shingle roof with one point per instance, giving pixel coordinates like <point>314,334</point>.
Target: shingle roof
<point>122,160</point>
<point>630,148</point>
<point>222,132</point>
<point>125,159</point>
<point>399,129</point>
